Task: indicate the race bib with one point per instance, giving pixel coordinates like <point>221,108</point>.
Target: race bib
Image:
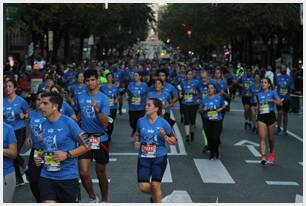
<point>39,153</point>
<point>248,94</point>
<point>212,115</point>
<point>264,109</point>
<point>247,85</point>
<point>148,150</point>
<point>283,91</point>
<point>188,97</point>
<point>111,102</point>
<point>136,100</point>
<point>50,164</point>
<point>10,116</point>
<point>94,142</point>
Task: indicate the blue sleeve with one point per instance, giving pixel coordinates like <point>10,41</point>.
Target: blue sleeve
<point>174,91</point>
<point>69,110</point>
<point>24,105</point>
<point>138,126</point>
<point>105,108</point>
<point>11,136</point>
<point>275,95</point>
<point>74,129</point>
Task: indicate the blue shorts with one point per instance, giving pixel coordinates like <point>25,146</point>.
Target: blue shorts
<point>151,167</point>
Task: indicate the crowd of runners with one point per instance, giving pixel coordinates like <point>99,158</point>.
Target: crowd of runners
<point>67,115</point>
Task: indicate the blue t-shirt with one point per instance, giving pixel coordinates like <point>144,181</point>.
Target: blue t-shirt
<point>247,82</point>
<point>66,109</point>
<point>212,103</point>
<point>169,88</point>
<point>203,88</point>
<point>89,121</point>
<point>149,134</point>
<point>12,110</point>
<point>36,120</point>
<point>118,75</point>
<point>69,76</point>
<point>112,94</point>
<point>264,105</point>
<point>77,90</point>
<point>164,97</point>
<point>137,95</point>
<point>8,139</point>
<point>284,84</point>
<point>61,135</point>
<point>221,85</point>
<point>255,89</point>
<point>189,92</point>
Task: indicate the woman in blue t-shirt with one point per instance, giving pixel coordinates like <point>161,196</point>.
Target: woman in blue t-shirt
<point>255,89</point>
<point>152,134</point>
<point>212,106</point>
<point>35,140</point>
<point>267,99</point>
<point>9,153</point>
<point>111,90</point>
<point>15,113</point>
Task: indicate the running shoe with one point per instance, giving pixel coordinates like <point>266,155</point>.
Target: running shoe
<point>263,160</point>
<point>205,149</point>
<point>212,155</point>
<point>254,129</point>
<point>19,182</point>
<point>94,200</point>
<point>271,158</point>
<point>245,125</point>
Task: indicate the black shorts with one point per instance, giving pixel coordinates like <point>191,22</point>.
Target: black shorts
<point>253,104</point>
<point>268,118</point>
<point>151,168</point>
<point>134,116</point>
<point>285,107</point>
<point>190,112</point>
<point>101,155</point>
<point>246,100</point>
<point>63,191</point>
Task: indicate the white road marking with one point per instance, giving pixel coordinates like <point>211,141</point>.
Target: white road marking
<point>294,135</point>
<point>213,171</point>
<point>179,137</point>
<point>97,180</point>
<point>283,183</point>
<point>252,161</point>
<point>245,142</point>
<point>177,196</point>
<point>300,163</point>
<point>298,198</point>
<point>254,151</point>
<point>167,178</point>
<point>173,149</point>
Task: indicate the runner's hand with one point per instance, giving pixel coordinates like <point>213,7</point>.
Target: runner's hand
<point>59,156</point>
<point>137,145</point>
<point>38,160</point>
<point>95,105</point>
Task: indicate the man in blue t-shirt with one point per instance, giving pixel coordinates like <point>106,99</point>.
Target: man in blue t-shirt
<point>284,86</point>
<point>94,110</point>
<point>58,180</point>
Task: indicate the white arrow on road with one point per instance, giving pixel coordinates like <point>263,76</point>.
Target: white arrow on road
<point>245,142</point>
<point>177,196</point>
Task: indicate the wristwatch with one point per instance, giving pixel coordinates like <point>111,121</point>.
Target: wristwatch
<point>69,155</point>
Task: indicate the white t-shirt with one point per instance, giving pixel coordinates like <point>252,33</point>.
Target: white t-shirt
<point>269,74</point>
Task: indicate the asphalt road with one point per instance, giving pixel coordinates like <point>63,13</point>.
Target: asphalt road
<point>236,178</point>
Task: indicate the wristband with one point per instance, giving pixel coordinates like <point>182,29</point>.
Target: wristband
<point>69,155</point>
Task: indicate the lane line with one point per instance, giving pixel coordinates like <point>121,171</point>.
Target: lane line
<point>173,149</point>
<point>282,183</point>
<point>300,163</point>
<point>252,161</point>
<point>167,178</point>
<point>253,150</point>
<point>178,136</point>
<point>294,135</point>
<point>213,171</point>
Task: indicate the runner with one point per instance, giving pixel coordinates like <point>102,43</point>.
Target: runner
<point>15,112</point>
<point>79,87</point>
<point>112,91</point>
<point>35,140</point>
<point>66,109</point>
<point>245,82</point>
<point>94,110</point>
<point>9,153</point>
<point>153,132</point>
<point>190,104</point>
<point>255,89</point>
<point>284,84</point>
<point>137,94</point>
<point>58,180</point>
<point>212,106</point>
<point>267,98</point>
